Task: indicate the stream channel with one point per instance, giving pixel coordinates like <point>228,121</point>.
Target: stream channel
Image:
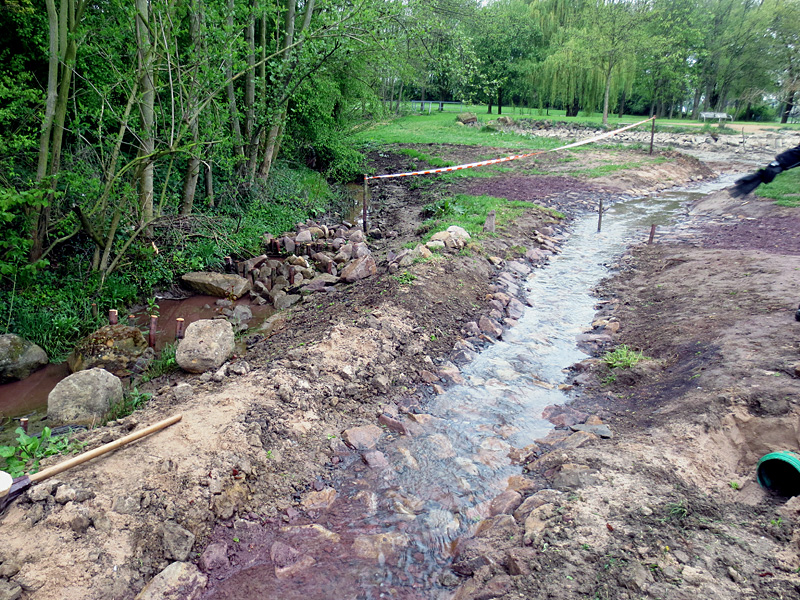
<point>392,531</point>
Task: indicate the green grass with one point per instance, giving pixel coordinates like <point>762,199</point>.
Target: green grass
<point>622,357</point>
<point>441,128</point>
<point>131,401</point>
<point>434,161</point>
<point>164,363</point>
<point>785,189</point>
<point>470,213</point>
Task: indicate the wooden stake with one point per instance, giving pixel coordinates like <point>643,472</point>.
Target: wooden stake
<point>113,316</point>
<point>652,134</point>
<point>151,335</point>
<point>652,233</point>
<point>364,204</point>
<point>179,328</point>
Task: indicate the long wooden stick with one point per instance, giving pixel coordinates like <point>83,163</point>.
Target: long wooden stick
<point>82,458</point>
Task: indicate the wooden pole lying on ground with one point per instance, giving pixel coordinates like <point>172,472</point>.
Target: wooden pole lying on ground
<point>652,233</point>
<point>600,216</point>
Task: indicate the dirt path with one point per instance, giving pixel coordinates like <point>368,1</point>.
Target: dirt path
<point>650,513</point>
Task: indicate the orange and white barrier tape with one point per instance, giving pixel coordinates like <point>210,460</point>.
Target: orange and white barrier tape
<point>495,161</point>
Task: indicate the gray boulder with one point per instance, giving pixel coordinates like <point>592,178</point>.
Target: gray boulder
<point>83,398</point>
<point>205,346</point>
<point>19,357</point>
<point>217,284</point>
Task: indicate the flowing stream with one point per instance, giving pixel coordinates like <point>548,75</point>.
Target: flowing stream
<point>391,532</point>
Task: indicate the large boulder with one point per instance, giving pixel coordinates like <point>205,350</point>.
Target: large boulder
<point>83,398</point>
<point>115,348</point>
<point>205,346</point>
<point>19,357</point>
<point>217,284</point>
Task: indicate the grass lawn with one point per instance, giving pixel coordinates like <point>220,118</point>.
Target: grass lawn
<point>785,189</point>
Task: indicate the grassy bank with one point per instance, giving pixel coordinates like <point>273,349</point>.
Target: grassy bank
<point>785,189</point>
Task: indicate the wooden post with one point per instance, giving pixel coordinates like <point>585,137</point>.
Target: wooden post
<point>151,335</point>
<point>364,204</point>
<point>132,320</point>
<point>600,216</point>
<point>113,316</point>
<point>94,310</point>
<point>23,422</point>
<point>652,233</point>
<point>179,328</point>
<point>652,134</point>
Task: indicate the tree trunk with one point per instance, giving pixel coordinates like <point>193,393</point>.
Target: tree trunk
<point>788,107</point>
<point>399,99</point>
<point>500,101</point>
<point>622,104</point>
<point>234,111</point>
<point>572,110</point>
<point>147,112</point>
<point>696,104</point>
<point>209,183</point>
<point>250,135</point>
<point>607,93</point>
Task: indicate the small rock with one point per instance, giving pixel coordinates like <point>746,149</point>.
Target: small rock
<point>80,523</point>
<point>319,500</point>
<point>177,541</point>
<point>601,430</point>
<point>125,505</point>
<point>9,568</point>
<point>182,391</point>
<point>363,438</point>
<point>215,556</point>
<point>10,590</point>
<point>505,503</point>
<point>490,327</point>
<point>375,459</point>
<point>380,546</point>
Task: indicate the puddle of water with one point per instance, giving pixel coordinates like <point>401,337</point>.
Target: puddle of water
<point>29,396</point>
<point>439,483</point>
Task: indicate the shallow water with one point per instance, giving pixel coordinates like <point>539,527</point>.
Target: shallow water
<point>439,483</point>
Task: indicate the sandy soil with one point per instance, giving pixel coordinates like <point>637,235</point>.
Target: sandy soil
<point>649,513</point>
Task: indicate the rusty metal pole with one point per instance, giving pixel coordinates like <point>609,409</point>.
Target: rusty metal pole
<point>652,233</point>
<point>179,328</point>
<point>151,335</point>
<point>652,134</point>
<point>113,316</point>
<point>600,216</point>
<point>364,204</point>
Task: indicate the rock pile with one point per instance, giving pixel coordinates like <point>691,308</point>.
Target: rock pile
<point>316,257</point>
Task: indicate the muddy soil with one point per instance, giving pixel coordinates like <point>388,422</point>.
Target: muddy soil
<point>650,513</point>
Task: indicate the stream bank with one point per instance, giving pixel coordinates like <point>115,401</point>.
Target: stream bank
<point>253,447</point>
